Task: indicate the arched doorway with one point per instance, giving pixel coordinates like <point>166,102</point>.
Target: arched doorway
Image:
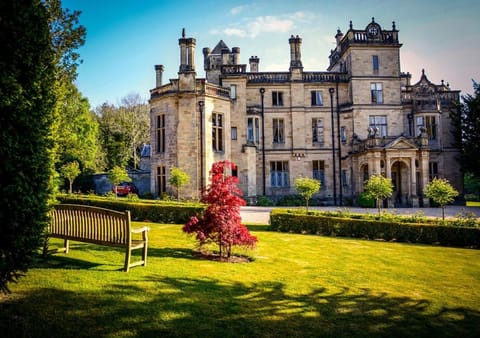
<point>400,180</point>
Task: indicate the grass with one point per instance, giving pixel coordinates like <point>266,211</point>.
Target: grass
<point>296,286</point>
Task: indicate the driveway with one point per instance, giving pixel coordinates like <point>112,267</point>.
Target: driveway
<point>261,215</point>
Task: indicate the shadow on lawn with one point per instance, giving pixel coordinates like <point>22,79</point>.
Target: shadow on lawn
<point>206,308</point>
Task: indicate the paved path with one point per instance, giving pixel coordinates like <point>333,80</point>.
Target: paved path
<point>261,215</point>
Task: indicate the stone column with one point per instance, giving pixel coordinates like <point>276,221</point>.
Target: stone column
<point>413,185</point>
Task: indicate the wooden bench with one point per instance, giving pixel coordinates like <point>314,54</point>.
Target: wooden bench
<point>98,226</point>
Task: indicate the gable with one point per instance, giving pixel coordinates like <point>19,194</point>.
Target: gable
<point>401,143</point>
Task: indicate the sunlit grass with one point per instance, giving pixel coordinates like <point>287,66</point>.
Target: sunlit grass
<point>295,285</point>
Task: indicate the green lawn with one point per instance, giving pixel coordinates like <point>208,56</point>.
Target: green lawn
<point>296,286</point>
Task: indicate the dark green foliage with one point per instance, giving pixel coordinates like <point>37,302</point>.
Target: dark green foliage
<point>263,201</point>
<point>365,201</point>
<point>466,119</point>
<point>26,115</point>
<point>291,201</point>
<point>141,210</point>
<point>370,228</point>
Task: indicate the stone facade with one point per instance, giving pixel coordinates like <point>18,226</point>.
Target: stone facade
<point>360,117</point>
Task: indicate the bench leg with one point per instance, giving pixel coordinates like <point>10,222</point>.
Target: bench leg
<point>144,254</point>
<point>128,255</point>
<point>65,245</point>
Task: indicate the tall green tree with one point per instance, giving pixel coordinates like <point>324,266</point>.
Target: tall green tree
<point>123,130</point>
<point>306,187</point>
<point>27,100</point>
<point>78,132</point>
<point>378,187</point>
<point>178,179</point>
<point>440,191</point>
<point>466,118</point>
<point>70,171</point>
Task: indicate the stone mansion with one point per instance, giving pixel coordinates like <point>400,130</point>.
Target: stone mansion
<point>361,116</point>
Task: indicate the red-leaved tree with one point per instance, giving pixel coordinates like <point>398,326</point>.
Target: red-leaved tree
<point>221,221</point>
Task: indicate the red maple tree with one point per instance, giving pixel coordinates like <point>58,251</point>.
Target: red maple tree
<point>221,221</point>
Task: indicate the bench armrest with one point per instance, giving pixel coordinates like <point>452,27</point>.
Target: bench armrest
<point>140,230</point>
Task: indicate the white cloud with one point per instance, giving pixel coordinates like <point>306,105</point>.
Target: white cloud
<point>238,9</point>
<point>235,31</point>
<point>253,27</point>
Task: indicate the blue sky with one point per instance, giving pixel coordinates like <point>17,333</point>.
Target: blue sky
<point>125,39</point>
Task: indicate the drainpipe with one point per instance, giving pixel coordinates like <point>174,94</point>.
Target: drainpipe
<point>262,94</point>
<point>201,105</point>
<point>331,91</point>
<point>339,152</point>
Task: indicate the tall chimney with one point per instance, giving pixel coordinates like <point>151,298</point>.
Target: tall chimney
<point>295,52</point>
<point>254,61</point>
<point>236,55</point>
<point>158,72</point>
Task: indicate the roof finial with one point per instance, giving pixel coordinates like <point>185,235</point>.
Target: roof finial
<point>373,19</point>
<point>183,32</point>
<point>394,28</point>
<point>423,71</point>
<point>351,25</point>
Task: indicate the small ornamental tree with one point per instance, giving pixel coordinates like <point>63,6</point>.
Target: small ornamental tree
<point>306,187</point>
<point>221,221</point>
<point>116,175</point>
<point>178,179</point>
<point>440,191</point>
<point>70,171</point>
<point>378,187</point>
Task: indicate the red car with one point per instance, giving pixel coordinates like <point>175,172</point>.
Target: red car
<point>125,188</point>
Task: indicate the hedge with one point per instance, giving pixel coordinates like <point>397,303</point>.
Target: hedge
<point>152,211</point>
<point>426,233</point>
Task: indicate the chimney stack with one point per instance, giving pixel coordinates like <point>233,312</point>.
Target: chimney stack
<point>158,72</point>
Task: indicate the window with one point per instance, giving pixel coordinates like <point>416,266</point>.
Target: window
<point>377,93</point>
<point>431,127</point>
<point>233,92</point>
<point>343,134</point>
<point>432,170</point>
<point>375,63</point>
<point>344,178</point>
<point>233,133</point>
<point>379,124</point>
<point>253,131</point>
<point>279,174</point>
<point>429,124</point>
<point>317,99</point>
<point>318,172</point>
<point>161,180</point>
<point>160,133</point>
<point>217,132</point>
<point>278,131</point>
<point>317,130</point>
<point>277,99</point>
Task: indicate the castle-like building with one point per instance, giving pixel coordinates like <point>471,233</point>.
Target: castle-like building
<point>360,117</point>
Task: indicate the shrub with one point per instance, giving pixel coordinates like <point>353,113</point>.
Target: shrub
<point>264,201</point>
<point>371,228</point>
<point>141,210</point>
<point>290,201</point>
<point>365,201</point>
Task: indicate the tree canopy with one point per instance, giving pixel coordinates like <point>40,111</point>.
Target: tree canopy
<point>221,221</point>
<point>440,191</point>
<point>124,129</point>
<point>469,120</point>
<point>378,187</point>
<point>306,187</point>
<point>27,99</point>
